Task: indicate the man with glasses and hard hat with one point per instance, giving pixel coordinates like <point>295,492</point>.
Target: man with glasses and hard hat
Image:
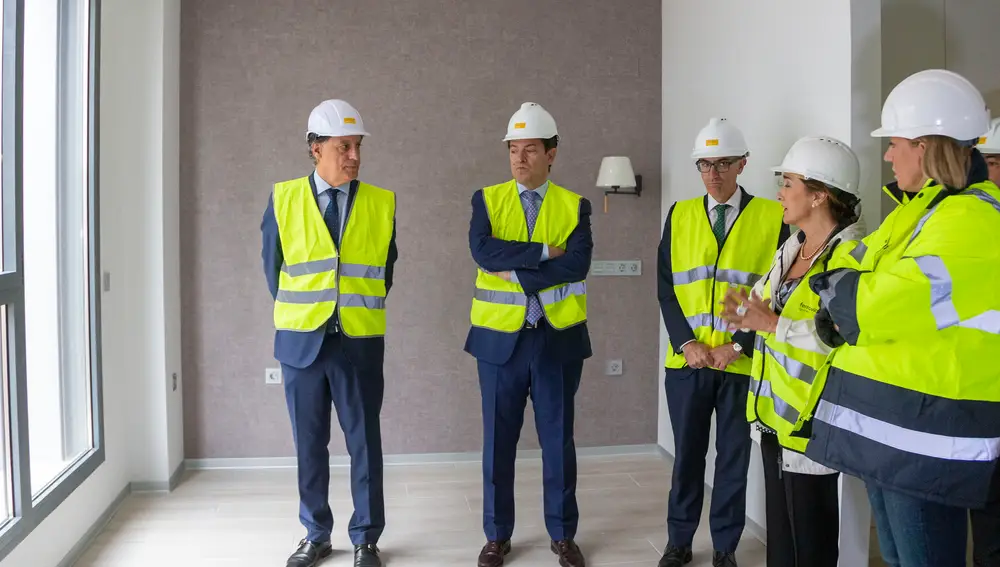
<point>532,242</point>
<point>329,246</point>
<point>725,239</point>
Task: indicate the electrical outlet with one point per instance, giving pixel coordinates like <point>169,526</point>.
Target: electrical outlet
<point>613,367</point>
<point>272,376</point>
<point>616,268</point>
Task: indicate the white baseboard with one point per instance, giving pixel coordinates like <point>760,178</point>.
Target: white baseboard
<point>95,530</point>
<point>160,485</point>
<point>410,459</point>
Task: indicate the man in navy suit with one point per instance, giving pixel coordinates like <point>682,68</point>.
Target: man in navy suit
<point>532,242</point>
<point>329,246</point>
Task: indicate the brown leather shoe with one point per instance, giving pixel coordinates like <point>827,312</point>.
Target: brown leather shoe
<point>493,552</point>
<point>568,552</point>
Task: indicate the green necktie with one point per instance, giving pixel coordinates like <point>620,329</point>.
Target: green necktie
<point>719,228</point>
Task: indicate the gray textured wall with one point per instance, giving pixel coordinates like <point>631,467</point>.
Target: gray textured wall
<point>436,81</point>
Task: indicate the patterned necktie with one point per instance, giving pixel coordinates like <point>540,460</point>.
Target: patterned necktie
<point>529,199</point>
<point>332,216</point>
<point>719,228</point>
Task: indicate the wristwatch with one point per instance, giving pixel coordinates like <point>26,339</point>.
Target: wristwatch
<point>738,347</point>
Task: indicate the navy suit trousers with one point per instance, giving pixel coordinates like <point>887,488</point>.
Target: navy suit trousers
<point>692,396</point>
<point>532,371</point>
<point>356,391</point>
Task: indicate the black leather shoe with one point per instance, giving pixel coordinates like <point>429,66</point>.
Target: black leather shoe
<point>493,552</point>
<point>720,559</point>
<point>309,554</point>
<point>675,556</point>
<point>569,553</point>
<point>366,555</point>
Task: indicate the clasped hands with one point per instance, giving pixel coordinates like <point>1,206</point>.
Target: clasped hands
<point>554,252</point>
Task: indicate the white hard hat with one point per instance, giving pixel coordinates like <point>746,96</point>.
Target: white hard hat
<point>335,118</point>
<point>824,159</point>
<point>529,122</point>
<point>934,102</point>
<point>719,139</point>
<point>990,143</point>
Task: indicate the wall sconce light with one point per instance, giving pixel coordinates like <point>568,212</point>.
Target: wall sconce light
<point>616,173</point>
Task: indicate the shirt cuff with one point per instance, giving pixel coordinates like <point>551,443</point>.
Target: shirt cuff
<point>513,277</point>
<point>545,252</point>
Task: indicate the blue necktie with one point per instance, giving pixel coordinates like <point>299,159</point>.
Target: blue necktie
<point>530,199</point>
<point>332,216</point>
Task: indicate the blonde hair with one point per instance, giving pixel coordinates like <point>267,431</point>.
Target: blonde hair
<point>946,160</point>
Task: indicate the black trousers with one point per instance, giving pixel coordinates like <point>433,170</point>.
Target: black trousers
<point>986,536</point>
<point>692,397</point>
<point>803,515</point>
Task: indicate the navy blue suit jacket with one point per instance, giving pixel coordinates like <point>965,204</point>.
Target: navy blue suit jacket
<point>524,258</point>
<point>298,349</point>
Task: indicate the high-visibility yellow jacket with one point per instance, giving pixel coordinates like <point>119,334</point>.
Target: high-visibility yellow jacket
<point>702,272</point>
<point>317,279</point>
<point>912,400</point>
<point>501,305</point>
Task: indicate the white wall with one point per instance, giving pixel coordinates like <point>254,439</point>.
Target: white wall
<point>778,69</point>
<point>139,246</point>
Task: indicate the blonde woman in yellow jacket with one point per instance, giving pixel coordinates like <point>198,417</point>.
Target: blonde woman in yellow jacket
<point>819,184</point>
<point>911,401</point>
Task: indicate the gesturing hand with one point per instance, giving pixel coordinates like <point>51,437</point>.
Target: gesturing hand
<point>743,312</point>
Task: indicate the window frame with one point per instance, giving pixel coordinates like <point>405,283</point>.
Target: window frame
<point>29,512</point>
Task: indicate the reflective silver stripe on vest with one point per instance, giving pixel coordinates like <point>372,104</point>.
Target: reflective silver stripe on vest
<point>502,297</point>
<point>694,275</point>
<point>983,449</point>
<point>988,322</point>
<point>708,272</point>
<point>307,268</point>
<point>358,300</point>
<point>921,223</point>
<point>705,320</point>
<point>942,307</point>
<point>362,271</point>
<point>859,252</point>
<point>737,277</point>
<point>784,410</point>
<point>551,296</point>
<point>986,197</point>
<point>306,297</point>
<point>793,368</point>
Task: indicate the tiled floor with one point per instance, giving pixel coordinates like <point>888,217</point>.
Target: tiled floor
<point>249,519</point>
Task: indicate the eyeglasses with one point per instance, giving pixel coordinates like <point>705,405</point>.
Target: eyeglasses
<point>721,166</point>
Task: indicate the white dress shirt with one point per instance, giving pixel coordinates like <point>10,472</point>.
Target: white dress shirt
<point>323,200</point>
<point>731,213</point>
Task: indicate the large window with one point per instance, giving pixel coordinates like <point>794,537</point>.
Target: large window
<point>50,395</point>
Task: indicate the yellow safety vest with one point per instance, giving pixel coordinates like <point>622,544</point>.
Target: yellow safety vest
<point>702,272</point>
<point>317,279</point>
<point>500,305</point>
<point>786,382</point>
<point>914,403</point>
